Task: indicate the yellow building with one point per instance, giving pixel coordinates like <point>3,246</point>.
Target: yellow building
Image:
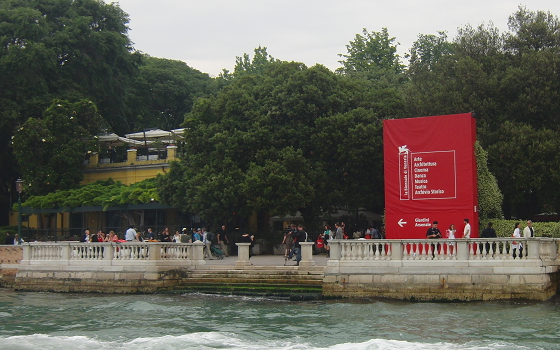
<point>64,223</point>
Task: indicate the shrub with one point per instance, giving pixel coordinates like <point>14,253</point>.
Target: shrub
<point>504,228</point>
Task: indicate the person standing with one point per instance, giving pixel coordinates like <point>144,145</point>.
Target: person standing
<point>326,238</point>
<point>185,237</point>
<point>375,234</point>
<point>517,247</point>
<point>130,234</point>
<point>177,237</point>
<point>488,232</point>
<point>434,233</point>
<point>301,237</point>
<point>467,229</point>
<point>207,244</point>
<point>223,240</point>
<point>151,235</point>
<point>9,240</point>
<point>288,242</point>
<point>166,236</point>
<point>450,234</point>
<point>528,231</point>
<point>94,238</point>
<point>246,238</point>
<point>85,237</point>
<point>18,240</point>
<point>339,232</point>
<point>197,235</point>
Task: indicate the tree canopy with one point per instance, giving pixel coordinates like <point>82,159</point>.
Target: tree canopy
<point>104,193</point>
<point>59,50</point>
<point>164,91</point>
<point>51,150</point>
<point>276,136</point>
<point>511,81</point>
<point>291,138</point>
<point>371,52</point>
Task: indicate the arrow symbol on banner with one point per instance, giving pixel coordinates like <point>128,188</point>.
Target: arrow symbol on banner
<point>401,222</point>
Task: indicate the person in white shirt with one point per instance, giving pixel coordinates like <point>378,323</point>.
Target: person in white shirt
<point>467,229</point>
<point>528,231</point>
<point>130,234</point>
<point>517,247</point>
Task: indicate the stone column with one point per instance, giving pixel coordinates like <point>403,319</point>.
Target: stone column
<point>108,251</point>
<point>307,254</point>
<point>26,253</point>
<point>197,253</point>
<point>154,251</point>
<point>533,248</point>
<point>66,251</point>
<point>131,156</point>
<point>243,254</point>
<point>397,250</point>
<point>547,248</point>
<point>171,153</point>
<point>462,246</point>
<point>94,159</point>
<point>335,253</point>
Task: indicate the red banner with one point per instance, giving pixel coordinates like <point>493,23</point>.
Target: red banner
<point>430,174</point>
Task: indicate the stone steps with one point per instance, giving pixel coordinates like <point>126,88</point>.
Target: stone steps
<point>284,279</point>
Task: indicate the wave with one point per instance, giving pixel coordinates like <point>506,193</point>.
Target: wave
<point>215,340</point>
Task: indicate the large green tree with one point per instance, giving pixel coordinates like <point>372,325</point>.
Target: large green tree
<point>511,81</point>
<point>291,138</point>
<point>247,65</point>
<point>65,49</point>
<point>60,49</point>
<point>51,150</point>
<point>373,53</point>
<point>164,91</point>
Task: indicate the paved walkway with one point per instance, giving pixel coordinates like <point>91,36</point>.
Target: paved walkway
<point>267,260</point>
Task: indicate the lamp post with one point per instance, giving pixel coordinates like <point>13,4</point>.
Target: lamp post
<point>19,188</point>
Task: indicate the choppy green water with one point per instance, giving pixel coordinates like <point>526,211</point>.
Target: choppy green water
<point>197,321</point>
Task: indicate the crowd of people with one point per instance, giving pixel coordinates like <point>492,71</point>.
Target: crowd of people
<point>218,243</point>
<point>489,232</point>
<point>295,234</point>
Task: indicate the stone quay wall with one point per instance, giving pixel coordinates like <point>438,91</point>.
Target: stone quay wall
<point>443,270</point>
<point>10,257</point>
<point>420,270</point>
<point>106,267</point>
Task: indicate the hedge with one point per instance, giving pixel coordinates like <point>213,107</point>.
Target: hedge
<point>504,228</point>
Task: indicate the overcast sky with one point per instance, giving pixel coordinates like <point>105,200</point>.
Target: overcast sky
<point>209,34</point>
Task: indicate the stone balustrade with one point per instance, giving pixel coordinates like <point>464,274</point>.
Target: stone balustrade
<point>459,269</point>
<point>414,269</point>
<point>112,254</point>
<point>444,249</point>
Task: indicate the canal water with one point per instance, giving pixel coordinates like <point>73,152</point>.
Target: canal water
<point>202,321</point>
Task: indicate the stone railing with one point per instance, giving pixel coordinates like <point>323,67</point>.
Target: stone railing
<point>441,269</point>
<point>444,249</point>
<point>75,253</point>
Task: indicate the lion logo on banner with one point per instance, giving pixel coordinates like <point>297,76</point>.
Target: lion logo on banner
<point>403,149</point>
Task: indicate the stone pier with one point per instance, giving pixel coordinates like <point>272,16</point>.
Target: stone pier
<point>422,270</point>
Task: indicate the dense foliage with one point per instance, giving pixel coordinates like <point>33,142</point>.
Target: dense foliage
<point>105,193</point>
<point>51,150</point>
<point>291,138</point>
<point>489,195</point>
<point>76,50</point>
<point>505,228</point>
<point>275,136</point>
<point>512,82</point>
<point>163,92</point>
